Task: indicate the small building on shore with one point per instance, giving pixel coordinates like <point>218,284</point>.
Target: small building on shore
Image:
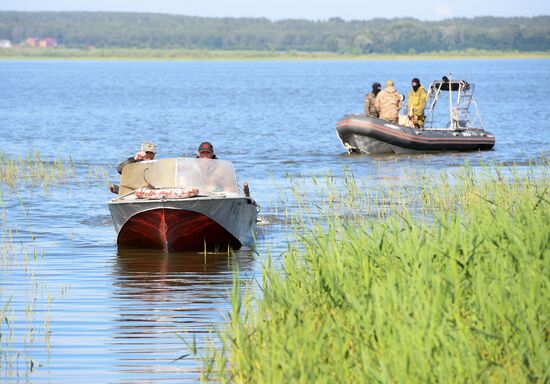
<point>44,42</point>
<point>47,42</point>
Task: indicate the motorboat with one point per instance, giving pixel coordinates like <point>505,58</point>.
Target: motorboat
<point>182,204</point>
<point>463,130</point>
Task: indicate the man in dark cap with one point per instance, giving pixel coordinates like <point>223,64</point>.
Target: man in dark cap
<point>417,99</point>
<point>213,175</point>
<point>206,151</point>
<point>369,100</point>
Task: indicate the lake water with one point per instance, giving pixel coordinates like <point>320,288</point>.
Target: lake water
<point>82,310</point>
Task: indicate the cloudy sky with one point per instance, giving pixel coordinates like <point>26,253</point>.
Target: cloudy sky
<point>297,9</point>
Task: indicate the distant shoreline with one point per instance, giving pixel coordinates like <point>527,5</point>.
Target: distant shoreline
<point>140,54</point>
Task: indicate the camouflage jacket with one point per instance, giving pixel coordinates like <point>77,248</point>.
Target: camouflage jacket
<point>388,104</point>
<point>369,105</point>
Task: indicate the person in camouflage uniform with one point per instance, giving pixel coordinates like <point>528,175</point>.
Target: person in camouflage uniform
<point>369,100</point>
<point>388,103</point>
<point>416,103</point>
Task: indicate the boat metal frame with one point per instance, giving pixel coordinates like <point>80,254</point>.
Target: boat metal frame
<point>461,100</point>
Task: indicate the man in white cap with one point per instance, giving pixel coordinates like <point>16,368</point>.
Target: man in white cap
<point>147,151</point>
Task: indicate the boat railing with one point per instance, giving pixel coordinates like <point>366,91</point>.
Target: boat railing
<point>461,100</point>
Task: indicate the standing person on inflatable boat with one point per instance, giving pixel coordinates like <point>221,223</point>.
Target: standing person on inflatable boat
<point>370,110</point>
<point>416,103</point>
<point>388,103</point>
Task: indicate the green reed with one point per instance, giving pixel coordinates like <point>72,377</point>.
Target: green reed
<point>445,280</point>
<point>35,170</point>
<point>99,173</point>
<point>21,329</point>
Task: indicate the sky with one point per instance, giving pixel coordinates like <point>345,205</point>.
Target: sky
<point>297,9</point>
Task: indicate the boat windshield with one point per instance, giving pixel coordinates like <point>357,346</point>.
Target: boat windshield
<point>209,176</point>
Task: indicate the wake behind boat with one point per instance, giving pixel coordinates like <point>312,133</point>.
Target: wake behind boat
<point>463,132</point>
<point>182,204</point>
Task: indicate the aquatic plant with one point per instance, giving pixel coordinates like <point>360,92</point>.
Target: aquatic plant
<point>444,281</point>
<point>97,172</point>
<point>34,169</point>
<point>20,325</point>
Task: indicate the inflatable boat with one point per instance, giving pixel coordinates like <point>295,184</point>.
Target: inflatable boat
<point>463,131</point>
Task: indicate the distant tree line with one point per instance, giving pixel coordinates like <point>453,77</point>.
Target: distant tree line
<point>399,35</point>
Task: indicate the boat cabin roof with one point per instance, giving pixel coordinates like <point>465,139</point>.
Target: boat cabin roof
<point>445,85</point>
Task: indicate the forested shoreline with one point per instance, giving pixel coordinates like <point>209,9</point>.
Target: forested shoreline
<point>108,30</point>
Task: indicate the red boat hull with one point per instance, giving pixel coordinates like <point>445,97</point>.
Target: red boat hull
<point>175,230</point>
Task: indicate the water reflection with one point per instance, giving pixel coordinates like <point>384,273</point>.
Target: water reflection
<point>146,263</point>
<point>158,295</point>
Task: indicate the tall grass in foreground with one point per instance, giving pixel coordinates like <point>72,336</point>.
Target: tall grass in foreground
<point>461,296</point>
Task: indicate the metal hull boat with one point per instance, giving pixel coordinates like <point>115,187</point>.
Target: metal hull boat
<point>182,205</point>
<point>197,223</point>
<point>360,133</point>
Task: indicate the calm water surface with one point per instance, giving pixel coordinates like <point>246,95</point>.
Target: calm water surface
<point>80,308</point>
